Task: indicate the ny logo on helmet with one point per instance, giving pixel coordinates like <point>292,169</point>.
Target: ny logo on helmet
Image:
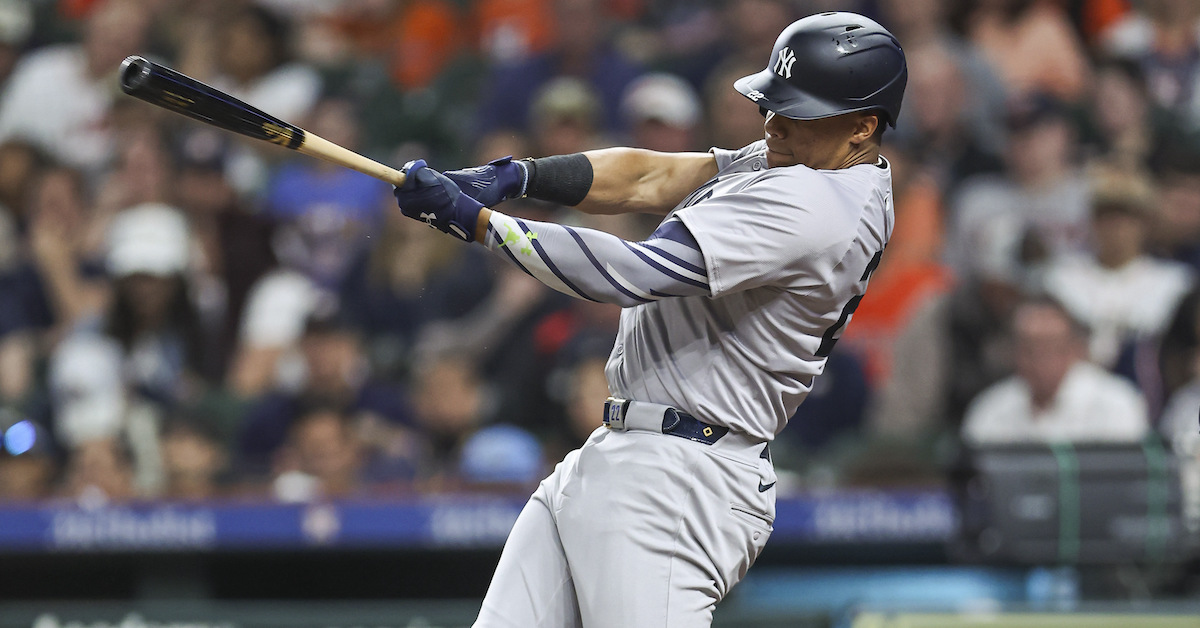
<point>783,67</point>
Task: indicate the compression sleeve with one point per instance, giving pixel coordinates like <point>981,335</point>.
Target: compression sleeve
<point>598,266</point>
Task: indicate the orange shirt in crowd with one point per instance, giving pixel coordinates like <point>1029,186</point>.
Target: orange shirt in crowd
<point>909,274</point>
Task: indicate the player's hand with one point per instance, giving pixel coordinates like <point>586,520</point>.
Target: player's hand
<point>429,196</point>
<point>493,183</point>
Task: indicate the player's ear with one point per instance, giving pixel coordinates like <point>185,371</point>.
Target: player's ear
<point>864,128</point>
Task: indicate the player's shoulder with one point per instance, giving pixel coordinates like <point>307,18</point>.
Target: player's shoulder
<point>749,158</point>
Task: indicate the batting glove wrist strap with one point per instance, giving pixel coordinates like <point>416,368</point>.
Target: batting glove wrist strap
<point>496,181</point>
<point>562,179</point>
<point>433,198</point>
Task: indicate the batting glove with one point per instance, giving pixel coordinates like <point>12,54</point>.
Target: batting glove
<point>429,196</point>
<point>491,184</point>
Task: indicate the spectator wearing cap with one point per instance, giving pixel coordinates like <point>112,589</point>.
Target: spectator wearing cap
<point>565,117</point>
<point>1056,394</point>
<point>329,369</point>
<point>96,419</point>
<point>663,113</point>
<point>152,316</point>
<point>1042,185</point>
<point>1125,296</point>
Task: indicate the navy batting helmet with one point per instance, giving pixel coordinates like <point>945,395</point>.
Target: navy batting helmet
<point>829,64</point>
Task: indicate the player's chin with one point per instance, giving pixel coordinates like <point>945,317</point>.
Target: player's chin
<point>776,159</point>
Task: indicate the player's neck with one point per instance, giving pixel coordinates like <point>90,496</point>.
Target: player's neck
<point>862,154</point>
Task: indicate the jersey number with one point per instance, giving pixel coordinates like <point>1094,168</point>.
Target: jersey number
<point>831,335</point>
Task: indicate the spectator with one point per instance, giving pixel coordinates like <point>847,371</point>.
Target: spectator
<point>325,211</point>
<point>407,281</point>
<point>20,164</point>
<point>97,420</point>
<point>663,113</point>
<point>910,273</point>
<point>1130,129</point>
<point>957,343</point>
<point>731,124</point>
<point>452,407</point>
<point>59,97</point>
<point>232,243</point>
<point>331,371</point>
<point>582,49</point>
<point>1032,46</point>
<point>941,127</point>
<point>24,314</point>
<point>1161,37</point>
<point>1175,234</point>
<point>166,354</point>
<point>565,115</point>
<point>512,337</point>
<point>1056,394</point>
<point>320,459</point>
<point>69,257</point>
<point>254,64</point>
<point>1042,185</point>
<point>1118,291</point>
<point>28,463</point>
<point>195,461</point>
<point>98,472</point>
<point>416,40</point>
<point>949,80</point>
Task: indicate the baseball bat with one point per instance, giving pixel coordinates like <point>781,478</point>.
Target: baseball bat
<point>166,88</point>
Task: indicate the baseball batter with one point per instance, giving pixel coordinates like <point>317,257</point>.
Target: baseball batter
<point>730,309</point>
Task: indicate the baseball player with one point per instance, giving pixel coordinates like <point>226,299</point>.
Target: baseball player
<point>730,309</point>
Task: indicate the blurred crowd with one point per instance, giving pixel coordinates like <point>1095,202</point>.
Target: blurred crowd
<point>185,314</point>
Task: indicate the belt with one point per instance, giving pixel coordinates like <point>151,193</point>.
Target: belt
<point>624,414</point>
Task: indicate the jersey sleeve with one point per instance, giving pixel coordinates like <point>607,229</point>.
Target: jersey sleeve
<point>725,157</point>
<point>765,234</point>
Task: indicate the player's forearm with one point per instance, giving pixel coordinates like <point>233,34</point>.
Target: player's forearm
<point>597,266</point>
<point>633,180</point>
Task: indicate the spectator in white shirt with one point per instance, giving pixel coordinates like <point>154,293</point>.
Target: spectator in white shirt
<point>1056,394</point>
<point>59,97</point>
<point>1122,294</point>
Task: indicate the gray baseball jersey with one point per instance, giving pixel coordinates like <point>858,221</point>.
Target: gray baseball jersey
<point>788,252</point>
<point>730,308</point>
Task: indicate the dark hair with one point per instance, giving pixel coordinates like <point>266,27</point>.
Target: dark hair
<point>182,318</point>
<point>1078,328</point>
<point>277,30</point>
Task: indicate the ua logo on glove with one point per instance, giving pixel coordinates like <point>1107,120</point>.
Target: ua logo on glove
<point>428,218</point>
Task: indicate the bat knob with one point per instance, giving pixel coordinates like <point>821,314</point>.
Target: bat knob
<point>135,72</point>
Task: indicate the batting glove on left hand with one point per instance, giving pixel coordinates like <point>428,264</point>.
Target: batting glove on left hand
<point>493,183</point>
<point>427,195</point>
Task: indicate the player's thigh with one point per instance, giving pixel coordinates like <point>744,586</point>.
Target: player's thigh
<point>653,540</point>
<point>532,586</point>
